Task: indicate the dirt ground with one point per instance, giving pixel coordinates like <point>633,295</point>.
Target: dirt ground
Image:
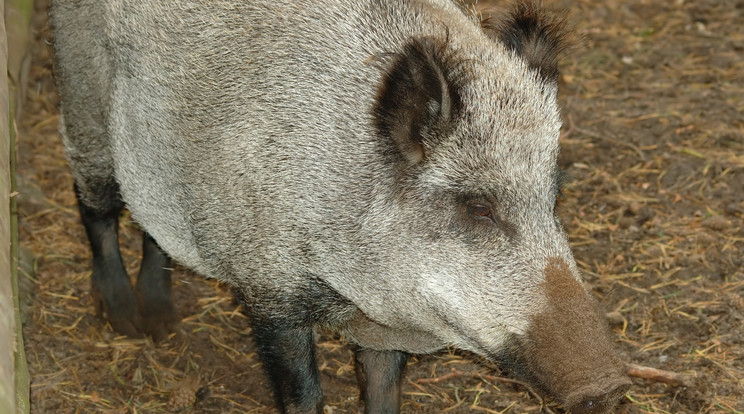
<point>653,145</point>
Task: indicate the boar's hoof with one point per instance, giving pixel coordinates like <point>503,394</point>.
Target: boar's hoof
<point>602,402</point>
<point>159,321</point>
<point>121,314</point>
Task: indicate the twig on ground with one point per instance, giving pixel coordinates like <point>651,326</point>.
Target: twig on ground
<point>658,375</point>
<point>445,377</point>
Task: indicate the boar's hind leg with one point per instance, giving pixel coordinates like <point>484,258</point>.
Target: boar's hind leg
<point>287,348</point>
<point>379,374</point>
<point>159,316</point>
<point>111,289</point>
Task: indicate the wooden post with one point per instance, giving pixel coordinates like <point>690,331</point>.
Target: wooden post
<point>14,32</point>
<point>7,308</point>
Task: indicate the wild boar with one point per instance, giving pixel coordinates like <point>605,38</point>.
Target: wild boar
<point>383,169</point>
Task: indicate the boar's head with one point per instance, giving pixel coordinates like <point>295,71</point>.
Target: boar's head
<point>481,257</point>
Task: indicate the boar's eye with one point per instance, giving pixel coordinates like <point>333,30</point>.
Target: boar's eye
<point>481,211</point>
<point>484,213</point>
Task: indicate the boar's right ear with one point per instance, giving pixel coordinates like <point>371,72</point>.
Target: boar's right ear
<point>536,35</point>
<point>418,98</point>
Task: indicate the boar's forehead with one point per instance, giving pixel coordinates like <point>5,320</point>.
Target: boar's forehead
<point>480,160</point>
<point>510,119</point>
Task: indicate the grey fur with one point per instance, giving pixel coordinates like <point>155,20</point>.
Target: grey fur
<point>242,136</point>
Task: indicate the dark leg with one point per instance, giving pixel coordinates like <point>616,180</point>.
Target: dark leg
<point>159,316</point>
<point>287,348</point>
<point>111,289</point>
<point>379,374</point>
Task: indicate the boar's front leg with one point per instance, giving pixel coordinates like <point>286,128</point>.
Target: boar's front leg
<point>159,316</point>
<point>111,289</point>
<point>286,345</point>
<point>379,374</point>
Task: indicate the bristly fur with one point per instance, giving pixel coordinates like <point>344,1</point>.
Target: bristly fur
<point>538,36</point>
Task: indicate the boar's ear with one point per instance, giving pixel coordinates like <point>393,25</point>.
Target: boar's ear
<point>417,99</point>
<point>534,34</point>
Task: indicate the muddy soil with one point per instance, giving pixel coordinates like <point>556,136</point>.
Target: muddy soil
<point>653,146</point>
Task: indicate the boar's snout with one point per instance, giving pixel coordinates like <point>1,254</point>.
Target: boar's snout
<point>595,400</point>
<point>569,349</point>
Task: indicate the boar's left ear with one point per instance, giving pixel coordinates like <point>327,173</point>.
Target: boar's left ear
<point>418,98</point>
<point>534,34</point>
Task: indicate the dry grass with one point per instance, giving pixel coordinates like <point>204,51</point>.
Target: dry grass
<point>655,148</point>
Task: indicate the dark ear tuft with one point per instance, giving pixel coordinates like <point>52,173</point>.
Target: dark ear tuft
<point>534,34</point>
<point>418,98</point>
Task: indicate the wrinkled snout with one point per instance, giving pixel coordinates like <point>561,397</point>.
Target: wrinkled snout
<point>568,349</point>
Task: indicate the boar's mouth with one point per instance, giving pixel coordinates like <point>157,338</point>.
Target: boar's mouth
<point>566,353</point>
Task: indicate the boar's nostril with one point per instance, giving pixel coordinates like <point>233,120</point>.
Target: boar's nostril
<point>602,403</point>
<point>591,406</point>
